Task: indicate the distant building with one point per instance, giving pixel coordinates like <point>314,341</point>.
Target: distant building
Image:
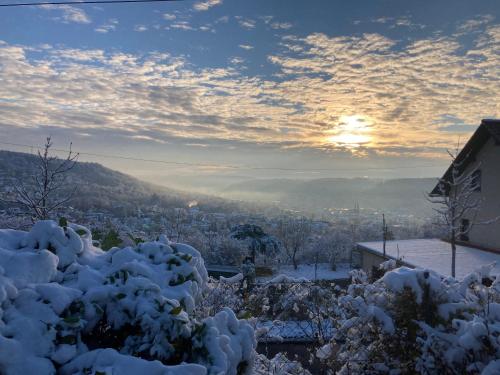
<point>481,154</point>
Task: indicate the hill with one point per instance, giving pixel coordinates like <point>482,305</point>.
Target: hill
<point>398,195</point>
<point>101,188</point>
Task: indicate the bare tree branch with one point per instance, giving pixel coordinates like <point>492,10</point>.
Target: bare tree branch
<point>39,197</point>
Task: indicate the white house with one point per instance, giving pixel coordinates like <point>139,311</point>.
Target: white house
<point>478,246</point>
<point>481,158</point>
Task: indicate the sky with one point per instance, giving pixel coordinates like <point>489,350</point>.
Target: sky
<point>264,88</point>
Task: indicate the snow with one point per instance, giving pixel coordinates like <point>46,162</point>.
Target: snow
<point>434,254</point>
<point>458,323</point>
<point>293,330</point>
<point>405,277</point>
<point>493,368</point>
<point>58,291</point>
<point>231,280</point>
<point>306,272</point>
<point>110,362</point>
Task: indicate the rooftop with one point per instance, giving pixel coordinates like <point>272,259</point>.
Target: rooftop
<point>435,254</point>
<point>489,128</point>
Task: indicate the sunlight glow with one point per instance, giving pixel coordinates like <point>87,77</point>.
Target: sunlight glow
<point>353,140</point>
<point>351,131</point>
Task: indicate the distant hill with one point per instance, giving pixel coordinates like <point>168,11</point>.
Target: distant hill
<point>399,195</point>
<point>101,188</point>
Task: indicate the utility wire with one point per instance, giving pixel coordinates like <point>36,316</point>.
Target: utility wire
<point>228,166</point>
<point>82,2</point>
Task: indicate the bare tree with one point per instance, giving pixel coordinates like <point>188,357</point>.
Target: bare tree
<point>458,202</point>
<point>294,234</point>
<point>44,193</point>
<point>178,218</point>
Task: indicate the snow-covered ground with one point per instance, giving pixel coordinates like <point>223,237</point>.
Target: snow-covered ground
<point>435,254</point>
<point>308,272</point>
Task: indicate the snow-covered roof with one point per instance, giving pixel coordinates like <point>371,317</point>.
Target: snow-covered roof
<point>435,254</point>
<point>291,330</point>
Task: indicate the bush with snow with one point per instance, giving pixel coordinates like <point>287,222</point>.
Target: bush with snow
<point>416,321</point>
<point>70,308</point>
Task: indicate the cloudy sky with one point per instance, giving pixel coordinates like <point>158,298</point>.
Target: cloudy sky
<point>310,88</point>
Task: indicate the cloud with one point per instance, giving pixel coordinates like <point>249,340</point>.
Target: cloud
<point>411,98</point>
<point>208,28</point>
<point>475,23</point>
<point>401,88</point>
<point>169,16</point>
<point>236,60</point>
<point>223,19</point>
<point>182,25</point>
<point>281,25</point>
<point>394,22</point>
<point>69,14</point>
<point>140,28</point>
<point>246,47</point>
<point>206,5</point>
<point>247,23</point>
<point>105,28</point>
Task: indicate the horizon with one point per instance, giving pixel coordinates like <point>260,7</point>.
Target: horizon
<point>377,90</point>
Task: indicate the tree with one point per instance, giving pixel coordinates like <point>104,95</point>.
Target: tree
<point>258,240</point>
<point>178,218</point>
<point>111,239</point>
<point>294,234</point>
<point>42,195</point>
<point>458,202</point>
<point>332,247</point>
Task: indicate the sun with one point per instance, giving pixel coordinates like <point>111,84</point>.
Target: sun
<point>351,131</point>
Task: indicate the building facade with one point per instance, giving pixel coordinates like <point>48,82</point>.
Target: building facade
<point>480,159</point>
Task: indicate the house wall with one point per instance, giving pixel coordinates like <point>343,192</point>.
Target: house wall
<point>488,160</point>
<point>368,260</point>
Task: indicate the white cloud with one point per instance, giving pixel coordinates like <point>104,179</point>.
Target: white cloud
<point>182,25</point>
<point>69,14</point>
<point>247,23</point>
<point>476,23</point>
<point>401,89</point>
<point>394,22</point>
<point>281,25</point>
<point>110,25</point>
<point>236,60</point>
<point>223,19</point>
<point>246,47</point>
<point>140,28</point>
<point>267,19</point>
<point>207,28</point>
<point>206,5</point>
<point>169,16</point>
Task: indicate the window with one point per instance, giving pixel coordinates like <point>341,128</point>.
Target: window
<point>476,180</point>
<point>464,228</point>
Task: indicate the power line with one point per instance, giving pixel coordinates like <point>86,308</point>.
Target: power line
<point>82,2</point>
<point>229,166</point>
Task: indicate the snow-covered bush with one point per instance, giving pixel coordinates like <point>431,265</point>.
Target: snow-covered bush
<point>70,308</point>
<point>416,321</point>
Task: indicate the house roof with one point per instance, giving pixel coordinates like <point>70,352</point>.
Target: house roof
<point>435,254</point>
<point>488,129</point>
